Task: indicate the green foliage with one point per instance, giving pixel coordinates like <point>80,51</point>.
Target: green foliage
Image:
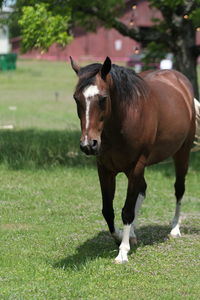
<point>195,16</point>
<point>54,17</point>
<point>40,28</point>
<point>180,7</point>
<point>153,53</point>
<point>57,18</point>
<point>168,3</point>
<point>82,12</point>
<point>44,23</point>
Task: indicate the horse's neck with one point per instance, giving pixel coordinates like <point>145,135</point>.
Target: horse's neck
<point>116,118</point>
<point>121,111</point>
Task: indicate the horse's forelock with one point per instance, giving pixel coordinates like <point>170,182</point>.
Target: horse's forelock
<point>87,75</point>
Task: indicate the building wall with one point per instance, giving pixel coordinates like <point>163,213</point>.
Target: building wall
<point>89,46</point>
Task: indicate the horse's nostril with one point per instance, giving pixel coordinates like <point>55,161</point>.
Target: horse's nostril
<point>85,148</point>
<point>81,146</point>
<point>94,144</point>
<point>90,147</point>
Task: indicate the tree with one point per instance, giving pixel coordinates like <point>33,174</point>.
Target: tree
<point>40,28</point>
<point>175,32</point>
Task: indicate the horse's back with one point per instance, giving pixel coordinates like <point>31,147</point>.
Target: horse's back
<point>173,78</point>
<point>173,90</point>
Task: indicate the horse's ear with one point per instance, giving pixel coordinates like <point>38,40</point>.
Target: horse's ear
<point>74,65</point>
<point>106,68</point>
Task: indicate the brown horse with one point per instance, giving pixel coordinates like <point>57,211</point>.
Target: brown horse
<point>129,122</point>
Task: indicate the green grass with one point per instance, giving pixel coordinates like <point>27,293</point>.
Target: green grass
<point>54,243</point>
<point>42,94</point>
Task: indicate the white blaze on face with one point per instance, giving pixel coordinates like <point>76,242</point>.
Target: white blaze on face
<point>89,92</point>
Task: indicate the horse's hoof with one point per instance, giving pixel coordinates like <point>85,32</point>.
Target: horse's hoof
<point>133,241</point>
<point>120,262</point>
<point>175,235</point>
<point>122,257</point>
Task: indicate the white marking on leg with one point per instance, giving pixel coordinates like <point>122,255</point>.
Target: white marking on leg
<point>89,92</point>
<point>124,247</point>
<point>118,233</point>
<point>133,238</point>
<point>175,232</point>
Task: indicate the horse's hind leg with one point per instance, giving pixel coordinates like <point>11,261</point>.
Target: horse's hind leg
<point>181,159</point>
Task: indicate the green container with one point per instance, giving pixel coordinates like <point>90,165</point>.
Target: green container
<point>8,61</point>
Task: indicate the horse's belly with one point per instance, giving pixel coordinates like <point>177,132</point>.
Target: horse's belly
<point>165,149</point>
<point>170,139</point>
<point>158,156</point>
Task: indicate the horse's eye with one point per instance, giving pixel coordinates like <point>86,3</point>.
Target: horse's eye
<point>102,102</point>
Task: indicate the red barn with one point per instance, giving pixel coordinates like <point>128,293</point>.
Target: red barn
<point>96,46</point>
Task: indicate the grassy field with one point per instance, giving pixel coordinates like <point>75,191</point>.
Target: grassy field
<point>54,243</point>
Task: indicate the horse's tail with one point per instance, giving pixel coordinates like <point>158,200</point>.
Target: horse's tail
<point>197,133</point>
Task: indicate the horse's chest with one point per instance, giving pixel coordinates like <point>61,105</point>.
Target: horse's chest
<point>118,153</point>
<point>116,160</point>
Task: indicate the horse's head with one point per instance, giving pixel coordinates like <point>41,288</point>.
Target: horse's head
<point>93,103</point>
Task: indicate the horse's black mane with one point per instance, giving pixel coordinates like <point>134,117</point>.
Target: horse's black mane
<point>128,85</point>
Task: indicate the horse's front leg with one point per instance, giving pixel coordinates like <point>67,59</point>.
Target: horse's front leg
<point>107,183</point>
<point>136,188</point>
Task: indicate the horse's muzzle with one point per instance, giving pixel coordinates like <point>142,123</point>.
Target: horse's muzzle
<point>90,148</point>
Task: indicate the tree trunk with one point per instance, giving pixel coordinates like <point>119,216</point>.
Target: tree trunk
<point>185,56</point>
<point>188,68</point>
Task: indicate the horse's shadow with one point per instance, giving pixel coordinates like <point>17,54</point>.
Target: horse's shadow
<point>102,245</point>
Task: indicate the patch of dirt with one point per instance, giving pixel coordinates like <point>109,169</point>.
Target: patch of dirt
<point>15,226</point>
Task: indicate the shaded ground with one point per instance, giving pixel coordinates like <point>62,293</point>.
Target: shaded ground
<point>34,148</point>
